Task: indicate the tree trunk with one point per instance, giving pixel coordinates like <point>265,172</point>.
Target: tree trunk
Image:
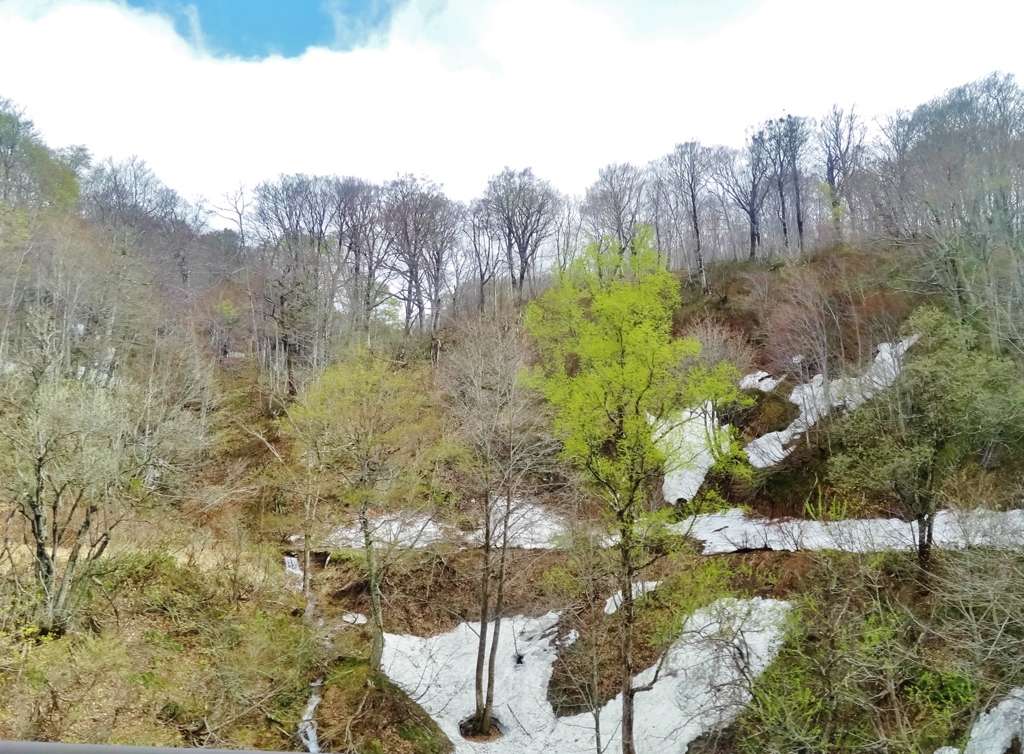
<point>485,599</point>
<point>798,206</point>
<point>836,207</point>
<point>61,613</point>
<point>699,251</point>
<point>499,604</point>
<point>376,618</point>
<point>755,235</point>
<point>628,619</point>
<point>925,539</point>
<point>289,367</point>
<point>781,185</point>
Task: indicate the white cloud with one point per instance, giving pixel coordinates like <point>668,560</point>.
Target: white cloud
<point>457,90</point>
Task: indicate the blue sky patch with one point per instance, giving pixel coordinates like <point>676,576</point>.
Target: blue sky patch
<point>258,28</point>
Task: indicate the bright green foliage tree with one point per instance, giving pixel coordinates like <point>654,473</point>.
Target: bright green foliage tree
<point>616,379</point>
<point>951,402</point>
<point>363,420</point>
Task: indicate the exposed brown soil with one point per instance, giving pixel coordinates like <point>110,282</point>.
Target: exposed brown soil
<point>430,591</point>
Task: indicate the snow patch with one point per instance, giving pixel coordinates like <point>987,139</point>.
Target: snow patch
<point>759,381</point>
<point>531,527</point>
<point>406,530</point>
<point>354,619</point>
<point>702,683</point>
<point>686,442</point>
<point>639,589</point>
<point>995,731</point>
<point>816,398</point>
<point>732,531</point>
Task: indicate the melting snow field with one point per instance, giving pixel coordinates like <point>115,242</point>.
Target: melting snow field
<point>732,531</point>
<point>687,442</point>
<point>701,685</point>
<point>816,398</point>
<point>531,527</point>
<point>406,530</point>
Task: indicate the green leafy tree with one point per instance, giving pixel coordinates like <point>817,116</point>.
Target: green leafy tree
<point>364,420</point>
<point>616,379</point>
<point>951,402</point>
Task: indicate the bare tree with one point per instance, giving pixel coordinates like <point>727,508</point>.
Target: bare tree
<point>614,204</point>
<point>235,209</point>
<point>683,178</point>
<point>296,225</point>
<point>796,137</point>
<point>841,136</point>
<point>743,177</point>
<point>503,425</point>
<point>366,248</point>
<point>483,248</point>
<point>522,210</point>
<point>568,232</point>
<point>79,458</point>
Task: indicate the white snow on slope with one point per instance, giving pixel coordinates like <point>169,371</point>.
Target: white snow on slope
<point>404,530</point>
<point>732,530</point>
<point>995,731</point>
<point>759,381</point>
<point>641,588</point>
<point>686,443</point>
<point>816,398</point>
<point>531,527</point>
<point>700,686</point>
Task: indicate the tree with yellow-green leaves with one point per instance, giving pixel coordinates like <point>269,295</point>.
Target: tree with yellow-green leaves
<point>362,422</point>
<point>616,378</point>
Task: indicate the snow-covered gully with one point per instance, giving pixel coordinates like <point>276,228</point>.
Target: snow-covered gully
<point>733,531</point>
<point>702,684</point>
<point>818,397</point>
<point>688,440</point>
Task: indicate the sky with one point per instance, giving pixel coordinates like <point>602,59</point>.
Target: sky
<point>214,94</point>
